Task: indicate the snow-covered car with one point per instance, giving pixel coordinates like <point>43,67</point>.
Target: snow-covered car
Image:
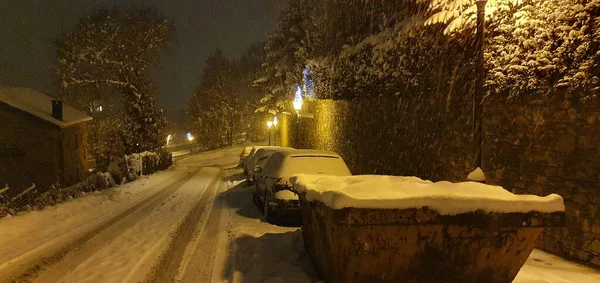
<point>251,159</point>
<point>260,159</point>
<point>274,194</point>
<point>243,155</point>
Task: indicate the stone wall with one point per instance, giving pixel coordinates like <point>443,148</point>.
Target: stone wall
<point>531,145</point>
<point>541,145</point>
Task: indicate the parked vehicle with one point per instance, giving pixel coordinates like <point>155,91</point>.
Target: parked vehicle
<point>249,157</point>
<point>274,193</point>
<point>243,155</point>
<point>260,159</point>
<point>252,157</point>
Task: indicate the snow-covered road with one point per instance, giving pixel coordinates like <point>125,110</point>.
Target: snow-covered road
<point>147,230</point>
<point>193,223</point>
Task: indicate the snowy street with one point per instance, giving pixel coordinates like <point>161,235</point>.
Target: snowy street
<point>155,229</point>
<point>193,223</point>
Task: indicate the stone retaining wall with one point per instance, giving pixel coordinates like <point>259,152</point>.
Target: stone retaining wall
<point>535,145</point>
<point>541,145</point>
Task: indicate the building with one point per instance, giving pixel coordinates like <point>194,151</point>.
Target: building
<point>42,141</point>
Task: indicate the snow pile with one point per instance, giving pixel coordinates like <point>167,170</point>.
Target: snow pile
<point>477,175</point>
<point>392,192</point>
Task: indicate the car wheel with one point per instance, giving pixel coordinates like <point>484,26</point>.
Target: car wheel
<point>267,211</point>
<point>265,206</point>
<point>255,200</point>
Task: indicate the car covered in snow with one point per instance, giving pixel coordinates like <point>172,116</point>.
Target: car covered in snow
<point>274,194</point>
<point>260,159</point>
<point>243,155</point>
<point>251,159</point>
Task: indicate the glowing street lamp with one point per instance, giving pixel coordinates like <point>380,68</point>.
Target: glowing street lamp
<point>189,137</point>
<point>298,101</point>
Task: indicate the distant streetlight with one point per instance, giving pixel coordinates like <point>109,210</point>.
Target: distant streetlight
<point>189,137</point>
<point>479,84</point>
<point>298,101</point>
<point>269,125</point>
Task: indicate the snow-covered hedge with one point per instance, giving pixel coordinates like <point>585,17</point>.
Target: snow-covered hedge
<point>545,45</point>
<point>532,47</point>
<point>127,169</point>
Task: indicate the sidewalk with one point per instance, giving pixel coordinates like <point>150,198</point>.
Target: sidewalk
<point>542,267</point>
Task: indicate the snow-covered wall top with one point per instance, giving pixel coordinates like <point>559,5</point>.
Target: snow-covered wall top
<point>394,192</point>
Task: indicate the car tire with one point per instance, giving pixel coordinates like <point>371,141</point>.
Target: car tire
<point>256,200</point>
<point>268,213</point>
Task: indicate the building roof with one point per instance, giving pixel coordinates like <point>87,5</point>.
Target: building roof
<point>40,105</point>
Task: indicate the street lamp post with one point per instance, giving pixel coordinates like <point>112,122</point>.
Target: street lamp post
<point>479,84</point>
<point>297,106</point>
<point>269,125</point>
<point>275,130</point>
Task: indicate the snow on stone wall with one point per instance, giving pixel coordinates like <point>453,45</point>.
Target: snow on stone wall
<point>398,192</point>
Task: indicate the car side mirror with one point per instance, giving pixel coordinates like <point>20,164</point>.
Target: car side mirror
<point>257,169</point>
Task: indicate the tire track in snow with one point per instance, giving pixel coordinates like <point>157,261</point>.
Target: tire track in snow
<point>52,268</point>
<point>173,262</point>
<point>30,261</point>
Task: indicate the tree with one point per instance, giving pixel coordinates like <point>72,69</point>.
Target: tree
<point>108,60</point>
<point>224,100</point>
<point>212,110</point>
<point>285,56</point>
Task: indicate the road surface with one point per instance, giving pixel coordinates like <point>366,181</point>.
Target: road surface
<point>155,230</point>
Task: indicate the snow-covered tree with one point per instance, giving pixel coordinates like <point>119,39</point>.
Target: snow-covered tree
<point>458,15</point>
<point>108,60</point>
<point>286,55</point>
<point>214,112</point>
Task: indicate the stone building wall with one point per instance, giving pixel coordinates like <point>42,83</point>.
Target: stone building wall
<point>29,151</point>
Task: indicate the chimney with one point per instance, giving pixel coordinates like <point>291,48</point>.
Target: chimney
<point>57,109</point>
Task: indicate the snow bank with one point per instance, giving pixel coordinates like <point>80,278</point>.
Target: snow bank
<point>392,192</point>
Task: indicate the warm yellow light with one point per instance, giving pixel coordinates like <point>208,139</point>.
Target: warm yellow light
<point>269,124</point>
<point>275,121</point>
<point>298,100</point>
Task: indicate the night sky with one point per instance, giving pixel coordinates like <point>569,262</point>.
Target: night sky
<point>27,28</point>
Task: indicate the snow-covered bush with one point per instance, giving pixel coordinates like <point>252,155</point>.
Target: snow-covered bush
<point>4,201</point>
<point>127,169</point>
<point>425,48</point>
<point>545,46</point>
